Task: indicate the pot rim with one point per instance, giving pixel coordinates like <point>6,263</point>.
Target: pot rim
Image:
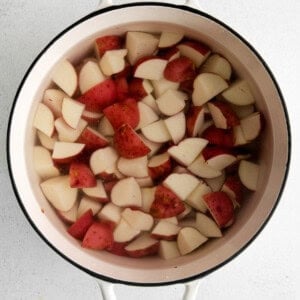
<point>116,7</point>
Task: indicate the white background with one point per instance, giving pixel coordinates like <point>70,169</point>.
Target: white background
<point>268,269</point>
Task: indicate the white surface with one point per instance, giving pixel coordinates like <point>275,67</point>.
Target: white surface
<point>267,269</point>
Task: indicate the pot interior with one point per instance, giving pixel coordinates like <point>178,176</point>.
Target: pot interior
<point>77,43</point>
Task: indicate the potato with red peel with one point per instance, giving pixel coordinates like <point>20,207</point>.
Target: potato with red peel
<point>99,236</point>
<point>142,246</point>
<point>92,139</point>
<point>81,226</point>
<point>100,96</point>
<point>220,206</point>
<point>125,112</point>
<point>180,69</point>
<point>128,143</point>
<point>223,115</point>
<point>160,166</point>
<point>106,43</point>
<point>194,120</point>
<point>234,189</point>
<point>218,136</point>
<point>151,158</point>
<point>196,51</point>
<point>166,204</point>
<point>122,89</point>
<point>139,88</point>
<point>81,176</point>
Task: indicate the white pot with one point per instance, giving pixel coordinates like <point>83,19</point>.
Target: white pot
<point>74,43</point>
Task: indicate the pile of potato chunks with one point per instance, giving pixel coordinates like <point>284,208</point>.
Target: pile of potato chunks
<point>143,149</point>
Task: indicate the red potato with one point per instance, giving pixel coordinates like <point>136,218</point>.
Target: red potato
<point>213,151</point>
<point>194,120</point>
<point>165,230</point>
<point>194,50</point>
<point>53,99</point>
<point>180,69</point>
<point>221,207</point>
<point>81,226</point>
<point>126,72</point>
<point>65,153</point>
<point>118,248</point>
<point>64,75</point>
<point>223,115</point>
<point>169,53</point>
<point>44,120</point>
<point>92,139</point>
<point>108,185</point>
<point>142,246</point>
<point>122,88</point>
<point>91,117</point>
<point>70,216</point>
<point>128,144</point>
<point>99,236</point>
<point>97,192</point>
<point>160,166</point>
<point>169,39</point>
<point>99,96</point>
<point>234,189</point>
<point>108,42</point>
<point>187,86</point>
<point>218,136</point>
<point>81,176</point>
<point>137,89</point>
<point>122,113</point>
<point>151,67</point>
<point>107,177</point>
<point>166,204</point>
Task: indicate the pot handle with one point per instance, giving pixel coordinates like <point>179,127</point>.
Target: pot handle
<point>107,290</point>
<point>190,3</point>
<point>191,290</point>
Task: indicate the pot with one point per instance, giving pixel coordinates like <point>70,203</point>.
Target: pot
<point>74,43</point>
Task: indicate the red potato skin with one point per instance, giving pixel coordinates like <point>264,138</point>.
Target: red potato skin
<point>81,176</point>
<point>81,226</point>
<point>187,86</point>
<point>220,207</point>
<point>136,89</point>
<point>191,118</point>
<point>230,116</point>
<point>108,185</point>
<point>66,161</point>
<point>180,69</point>
<point>122,88</point>
<point>166,204</point>
<point>128,144</point>
<point>126,72</point>
<point>164,237</point>
<point>108,42</point>
<point>99,236</point>
<point>218,136</point>
<point>100,96</point>
<point>212,151</point>
<point>141,60</point>
<point>203,49</point>
<point>149,251</point>
<point>91,121</point>
<point>122,113</point>
<point>118,248</point>
<point>91,140</point>
<point>233,182</point>
<point>160,172</point>
<point>167,53</point>
<point>106,177</point>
